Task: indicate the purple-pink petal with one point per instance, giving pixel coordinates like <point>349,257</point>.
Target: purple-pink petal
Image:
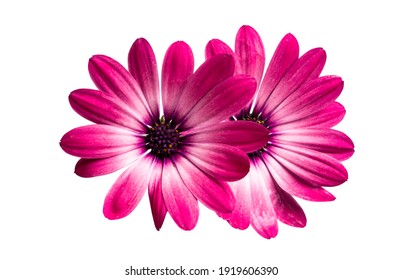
<point>178,65</point>
<point>128,189</point>
<point>214,194</point>
<point>216,46</point>
<point>202,81</point>
<point>221,102</point>
<point>310,98</point>
<point>287,210</point>
<point>179,201</point>
<point>304,69</point>
<point>245,135</point>
<point>143,67</point>
<point>263,216</point>
<point>328,141</point>
<point>324,118</point>
<point>111,77</point>
<point>250,52</point>
<point>101,166</point>
<point>295,185</point>
<point>103,108</point>
<point>240,216</point>
<point>223,162</point>
<point>285,55</point>
<point>314,167</point>
<point>158,208</point>
<point>99,141</point>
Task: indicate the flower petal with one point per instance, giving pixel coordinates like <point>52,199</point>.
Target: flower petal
<point>305,68</point>
<point>286,208</point>
<point>223,162</point>
<point>245,135</point>
<point>101,166</point>
<point>314,167</point>
<point>221,102</point>
<point>128,189</point>
<point>143,67</point>
<point>285,55</point>
<point>324,118</point>
<point>157,203</point>
<point>177,67</point>
<point>263,216</point>
<point>111,77</point>
<point>250,52</point>
<point>312,97</point>
<point>295,185</point>
<point>103,108</point>
<point>332,142</point>
<point>180,202</point>
<point>211,73</point>
<point>214,194</point>
<point>216,46</point>
<point>240,216</point>
<point>99,141</point>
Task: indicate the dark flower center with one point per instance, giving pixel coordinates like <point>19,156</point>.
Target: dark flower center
<point>163,139</point>
<point>244,115</point>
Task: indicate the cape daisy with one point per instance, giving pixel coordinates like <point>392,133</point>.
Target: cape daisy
<point>298,109</point>
<point>182,154</point>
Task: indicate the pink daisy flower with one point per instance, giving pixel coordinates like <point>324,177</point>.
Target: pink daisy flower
<point>182,154</point>
<point>298,109</point>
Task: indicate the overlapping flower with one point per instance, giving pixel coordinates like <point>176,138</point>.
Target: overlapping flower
<point>298,109</point>
<point>213,135</point>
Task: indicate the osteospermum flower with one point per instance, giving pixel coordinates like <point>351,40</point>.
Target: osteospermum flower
<point>182,154</point>
<point>298,109</point>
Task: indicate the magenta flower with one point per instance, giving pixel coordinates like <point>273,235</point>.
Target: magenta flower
<point>183,153</point>
<point>303,153</point>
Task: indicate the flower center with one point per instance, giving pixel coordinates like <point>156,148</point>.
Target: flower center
<point>163,139</point>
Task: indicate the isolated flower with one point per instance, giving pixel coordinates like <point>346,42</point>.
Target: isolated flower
<point>183,154</point>
<point>303,153</point>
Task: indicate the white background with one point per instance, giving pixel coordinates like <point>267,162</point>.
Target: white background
<point>51,221</point>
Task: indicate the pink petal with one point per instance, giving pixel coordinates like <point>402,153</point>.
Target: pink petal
<point>103,108</point>
<point>221,102</point>
<point>223,162</point>
<point>99,141</point>
<point>240,216</point>
<point>143,67</point>
<point>102,166</point>
<point>211,73</point>
<point>250,52</point>
<point>324,118</point>
<point>305,68</point>
<point>181,204</point>
<point>332,142</point>
<point>111,77</point>
<point>215,47</point>
<point>286,208</point>
<point>214,194</point>
<point>314,167</point>
<point>285,55</point>
<point>128,189</point>
<point>294,185</point>
<point>157,203</point>
<point>263,216</point>
<point>310,98</point>
<point>177,67</point>
<point>245,135</point>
